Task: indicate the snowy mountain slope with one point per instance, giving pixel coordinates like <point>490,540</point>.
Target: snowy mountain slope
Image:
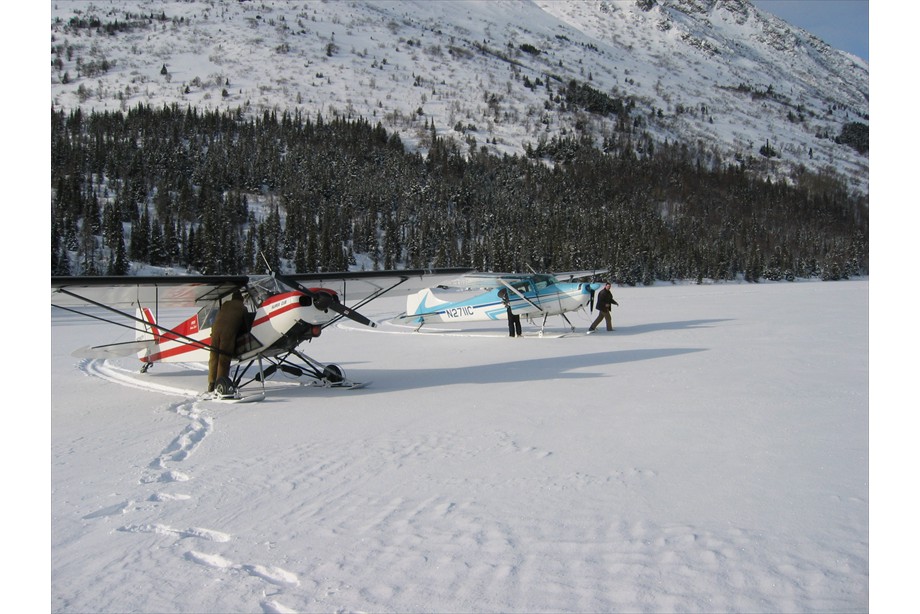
<point>718,75</point>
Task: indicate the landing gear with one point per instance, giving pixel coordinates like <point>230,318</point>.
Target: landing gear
<point>223,387</point>
<point>298,365</point>
<point>567,322</point>
<point>546,317</point>
<point>333,374</point>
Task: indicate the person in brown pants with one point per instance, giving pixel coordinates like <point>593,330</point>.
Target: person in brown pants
<point>604,303</point>
<point>224,332</point>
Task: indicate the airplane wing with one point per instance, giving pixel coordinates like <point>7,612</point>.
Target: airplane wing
<point>358,288</point>
<point>495,280</point>
<point>570,276</point>
<point>355,289</point>
<point>487,281</point>
<point>125,292</point>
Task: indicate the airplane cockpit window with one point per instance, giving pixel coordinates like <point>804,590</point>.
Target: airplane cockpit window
<point>251,302</point>
<point>543,281</point>
<point>261,289</point>
<point>206,316</point>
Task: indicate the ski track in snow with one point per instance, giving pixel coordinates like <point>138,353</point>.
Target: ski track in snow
<point>159,472</point>
<point>106,370</point>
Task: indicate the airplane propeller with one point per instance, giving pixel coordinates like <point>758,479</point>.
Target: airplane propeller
<point>325,301</point>
<point>321,300</point>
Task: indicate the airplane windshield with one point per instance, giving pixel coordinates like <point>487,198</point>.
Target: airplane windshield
<point>261,289</point>
<point>543,281</point>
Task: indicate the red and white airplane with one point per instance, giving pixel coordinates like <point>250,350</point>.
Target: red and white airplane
<point>282,313</point>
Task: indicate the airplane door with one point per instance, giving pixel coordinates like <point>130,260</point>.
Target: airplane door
<point>528,290</point>
<point>547,297</point>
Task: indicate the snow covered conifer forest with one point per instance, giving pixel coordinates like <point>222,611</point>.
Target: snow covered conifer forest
<point>330,189</point>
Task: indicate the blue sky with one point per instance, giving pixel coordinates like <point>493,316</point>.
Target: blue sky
<point>843,24</point>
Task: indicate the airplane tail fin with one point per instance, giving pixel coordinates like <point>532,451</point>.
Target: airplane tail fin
<point>422,302</point>
<point>149,331</point>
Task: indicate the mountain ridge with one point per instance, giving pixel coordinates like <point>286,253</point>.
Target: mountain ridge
<point>734,82</point>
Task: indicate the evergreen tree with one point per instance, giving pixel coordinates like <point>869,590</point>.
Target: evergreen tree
<point>192,256</point>
<point>118,259</point>
<point>249,250</point>
<point>300,258</point>
<point>140,238</point>
<point>63,263</point>
<point>157,252</point>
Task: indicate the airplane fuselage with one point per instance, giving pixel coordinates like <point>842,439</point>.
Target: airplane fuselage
<point>281,322</point>
<point>551,299</point>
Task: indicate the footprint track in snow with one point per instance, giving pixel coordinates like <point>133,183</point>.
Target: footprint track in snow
<point>178,450</point>
<point>272,575</point>
<point>187,442</point>
<point>183,446</point>
<point>162,529</point>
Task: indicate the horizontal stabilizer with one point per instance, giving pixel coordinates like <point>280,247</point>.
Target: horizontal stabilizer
<point>113,350</point>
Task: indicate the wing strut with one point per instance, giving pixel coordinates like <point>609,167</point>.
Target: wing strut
<point>378,293</point>
<point>516,291</point>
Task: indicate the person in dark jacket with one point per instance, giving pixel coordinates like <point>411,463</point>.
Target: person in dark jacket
<point>604,303</point>
<point>514,320</point>
<point>224,332</point>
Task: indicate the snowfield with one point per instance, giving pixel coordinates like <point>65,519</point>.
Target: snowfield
<point>711,455</point>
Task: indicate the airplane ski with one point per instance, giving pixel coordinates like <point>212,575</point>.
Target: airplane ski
<point>237,398</point>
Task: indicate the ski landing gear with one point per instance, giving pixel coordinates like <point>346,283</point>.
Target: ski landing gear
<point>296,365</point>
<point>224,388</point>
<point>546,316</point>
<point>226,392</point>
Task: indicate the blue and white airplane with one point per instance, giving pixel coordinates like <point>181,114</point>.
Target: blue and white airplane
<point>529,295</point>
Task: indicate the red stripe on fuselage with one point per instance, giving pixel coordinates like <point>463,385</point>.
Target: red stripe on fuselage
<point>184,348</point>
<point>278,311</point>
<point>187,346</point>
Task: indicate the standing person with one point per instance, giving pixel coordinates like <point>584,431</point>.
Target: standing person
<point>514,320</point>
<point>604,303</point>
<point>224,332</point>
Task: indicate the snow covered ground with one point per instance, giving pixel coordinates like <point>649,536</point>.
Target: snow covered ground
<point>711,454</point>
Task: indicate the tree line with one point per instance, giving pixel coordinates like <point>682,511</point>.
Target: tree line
<point>176,187</point>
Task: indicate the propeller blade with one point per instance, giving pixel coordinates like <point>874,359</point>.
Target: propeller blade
<point>325,301</point>
<point>351,314</point>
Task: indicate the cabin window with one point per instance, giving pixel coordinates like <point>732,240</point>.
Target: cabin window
<point>206,316</point>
